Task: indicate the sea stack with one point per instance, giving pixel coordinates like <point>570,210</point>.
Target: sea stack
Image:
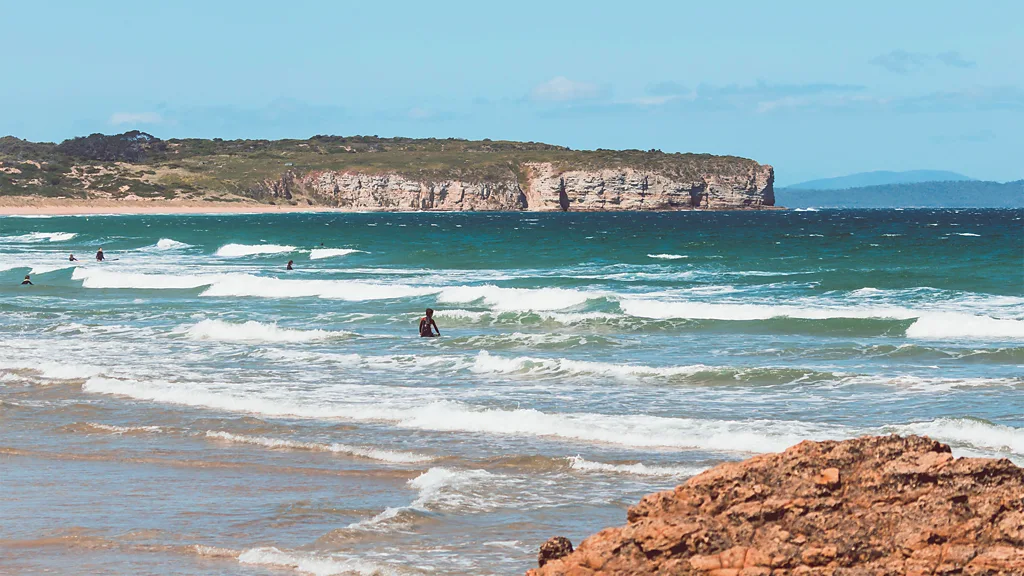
<point>872,505</point>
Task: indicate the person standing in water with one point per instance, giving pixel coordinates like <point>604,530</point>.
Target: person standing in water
<point>428,326</point>
<point>289,266</point>
<point>72,258</point>
<point>27,281</point>
<point>99,255</point>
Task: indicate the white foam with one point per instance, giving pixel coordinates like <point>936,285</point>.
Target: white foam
<point>169,244</point>
<point>252,331</point>
<point>807,210</point>
<point>667,256</point>
<point>317,565</point>
<point>969,432</point>
<point>239,250</point>
<point>485,362</point>
<point>372,453</point>
<point>321,253</point>
<point>637,430</point>
<point>967,234</point>
<point>39,237</point>
<point>122,429</point>
<point>949,326</point>
<point>504,299</point>
<point>579,463</point>
<point>100,278</point>
<point>349,290</point>
<point>658,309</point>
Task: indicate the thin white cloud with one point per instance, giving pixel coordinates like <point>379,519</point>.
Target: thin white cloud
<point>562,89</point>
<point>119,118</point>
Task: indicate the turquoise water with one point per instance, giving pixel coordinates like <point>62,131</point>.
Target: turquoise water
<point>189,406</point>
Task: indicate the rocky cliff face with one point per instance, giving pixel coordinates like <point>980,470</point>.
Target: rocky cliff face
<point>537,187</point>
<point>874,505</point>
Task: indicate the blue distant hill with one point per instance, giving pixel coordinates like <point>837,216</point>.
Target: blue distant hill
<point>880,178</point>
<point>947,194</point>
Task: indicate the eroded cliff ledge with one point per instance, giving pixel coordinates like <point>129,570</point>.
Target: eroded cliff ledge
<point>370,173</point>
<point>870,506</point>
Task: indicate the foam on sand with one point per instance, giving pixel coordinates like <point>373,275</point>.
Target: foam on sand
<point>315,564</point>
<point>252,331</point>
<point>239,250</point>
<point>371,453</point>
<point>321,253</point>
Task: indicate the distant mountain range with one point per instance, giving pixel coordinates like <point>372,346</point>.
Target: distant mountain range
<point>879,178</point>
<point>947,194</point>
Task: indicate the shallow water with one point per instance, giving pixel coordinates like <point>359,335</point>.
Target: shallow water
<point>189,407</point>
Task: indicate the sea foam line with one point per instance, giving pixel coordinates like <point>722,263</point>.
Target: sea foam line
<point>371,453</point>
<point>253,331</point>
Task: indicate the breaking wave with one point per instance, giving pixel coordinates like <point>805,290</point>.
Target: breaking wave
<point>945,326</point>
<point>169,244</point>
<point>315,564</point>
<point>252,331</point>
<point>39,237</point>
<point>239,250</point>
<point>667,256</point>
<point>321,253</point>
<point>639,469</point>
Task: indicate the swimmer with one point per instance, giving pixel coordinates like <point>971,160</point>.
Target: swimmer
<point>72,258</point>
<point>428,326</point>
<point>27,281</point>
<point>289,266</point>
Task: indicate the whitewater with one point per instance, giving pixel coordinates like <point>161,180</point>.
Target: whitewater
<point>208,411</point>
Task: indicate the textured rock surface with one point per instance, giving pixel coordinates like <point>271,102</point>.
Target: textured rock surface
<point>544,188</point>
<point>874,505</point>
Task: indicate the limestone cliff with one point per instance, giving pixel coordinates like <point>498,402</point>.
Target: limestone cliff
<point>536,186</point>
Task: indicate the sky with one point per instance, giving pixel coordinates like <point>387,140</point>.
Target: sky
<point>817,89</point>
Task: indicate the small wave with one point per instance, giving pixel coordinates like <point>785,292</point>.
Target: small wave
<point>321,253</point>
<point>119,430</point>
<point>642,431</point>
<point>517,298</point>
<point>239,250</point>
<point>169,244</point>
<point>371,453</point>
<point>639,469</point>
<point>253,331</point>
<point>967,234</point>
<point>667,256</point>
<point>947,326</point>
<point>969,432</point>
<point>39,237</point>
<point>807,210</point>
<point>317,565</point>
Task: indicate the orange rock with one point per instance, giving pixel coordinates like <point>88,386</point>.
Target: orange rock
<point>906,507</point>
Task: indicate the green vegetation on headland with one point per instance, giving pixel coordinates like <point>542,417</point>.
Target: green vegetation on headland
<point>138,165</point>
<point>955,194</point>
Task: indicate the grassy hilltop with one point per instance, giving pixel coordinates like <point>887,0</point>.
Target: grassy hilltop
<point>136,164</point>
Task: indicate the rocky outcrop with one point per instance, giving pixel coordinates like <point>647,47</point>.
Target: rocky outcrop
<point>870,506</point>
<point>537,187</point>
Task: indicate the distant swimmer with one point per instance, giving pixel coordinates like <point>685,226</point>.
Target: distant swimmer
<point>27,281</point>
<point>72,258</point>
<point>99,255</point>
<point>289,267</point>
<point>428,326</point>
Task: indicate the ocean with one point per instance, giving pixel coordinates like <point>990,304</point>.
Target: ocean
<point>189,406</point>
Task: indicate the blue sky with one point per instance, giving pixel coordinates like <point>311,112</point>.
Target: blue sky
<point>817,89</point>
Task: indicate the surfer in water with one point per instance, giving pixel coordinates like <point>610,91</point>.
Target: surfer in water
<point>72,258</point>
<point>27,281</point>
<point>289,266</point>
<point>99,255</point>
<point>428,326</point>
